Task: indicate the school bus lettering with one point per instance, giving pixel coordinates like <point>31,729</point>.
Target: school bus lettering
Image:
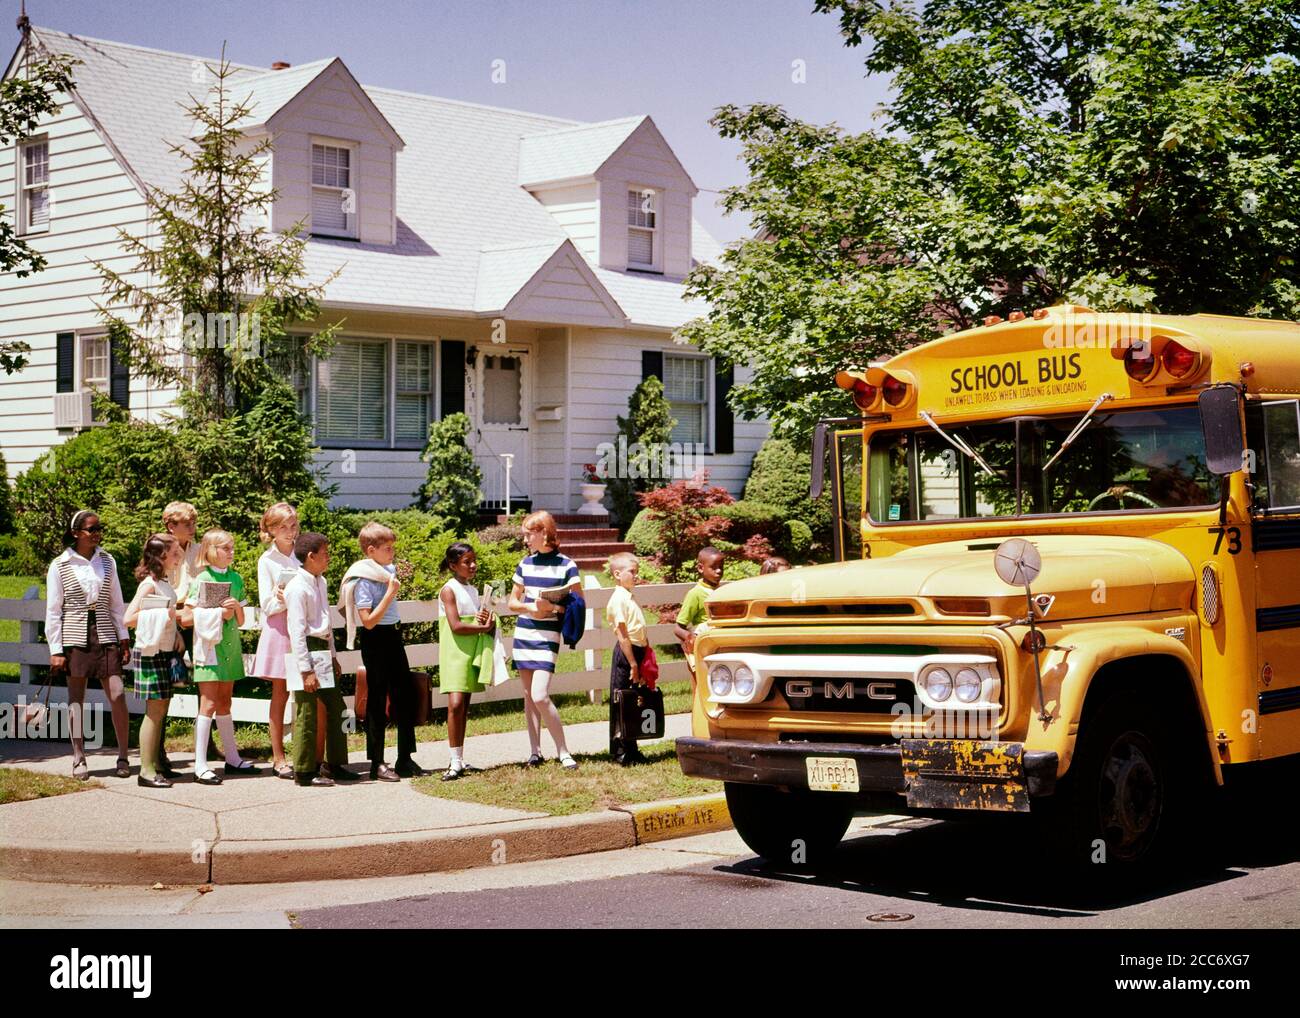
<point>988,472</point>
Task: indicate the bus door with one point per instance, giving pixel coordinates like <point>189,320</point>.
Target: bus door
<point>847,490</point>
<point>1276,546</point>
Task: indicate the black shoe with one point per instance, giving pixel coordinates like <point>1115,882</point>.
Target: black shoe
<point>534,761</point>
<point>166,769</point>
<point>384,773</point>
<point>157,781</point>
<point>409,769</point>
<point>342,775</point>
<point>452,773</point>
<point>309,780</point>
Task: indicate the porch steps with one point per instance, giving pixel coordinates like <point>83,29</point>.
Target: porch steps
<point>584,540</point>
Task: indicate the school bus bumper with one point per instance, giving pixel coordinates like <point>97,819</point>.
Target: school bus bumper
<point>931,773</point>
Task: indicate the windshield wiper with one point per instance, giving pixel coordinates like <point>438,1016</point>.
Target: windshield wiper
<point>1078,430</point>
<point>960,445</point>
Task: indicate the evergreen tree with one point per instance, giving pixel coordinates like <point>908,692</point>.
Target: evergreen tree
<point>213,272</point>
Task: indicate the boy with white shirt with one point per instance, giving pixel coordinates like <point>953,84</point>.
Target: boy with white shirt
<point>307,608</point>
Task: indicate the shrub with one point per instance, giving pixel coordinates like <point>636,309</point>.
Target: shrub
<point>643,534</point>
<point>686,518</point>
<point>16,558</point>
<point>6,499</point>
<point>648,425</point>
<point>451,487</point>
<point>799,538</point>
<point>740,569</point>
<point>779,476</point>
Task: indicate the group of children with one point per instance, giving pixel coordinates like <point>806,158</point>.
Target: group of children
<point>190,599</point>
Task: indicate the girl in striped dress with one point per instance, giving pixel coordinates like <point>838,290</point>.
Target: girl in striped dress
<point>537,631</point>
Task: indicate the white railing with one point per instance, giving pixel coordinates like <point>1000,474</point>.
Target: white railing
<point>29,653</point>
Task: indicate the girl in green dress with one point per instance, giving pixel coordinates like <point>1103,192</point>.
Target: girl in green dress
<point>465,641</point>
<point>217,681</point>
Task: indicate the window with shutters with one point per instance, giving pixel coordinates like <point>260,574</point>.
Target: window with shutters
<point>34,187</point>
<point>413,399</point>
<point>288,360</point>
<point>351,390</point>
<point>686,387</point>
<point>642,228</point>
<point>333,196</point>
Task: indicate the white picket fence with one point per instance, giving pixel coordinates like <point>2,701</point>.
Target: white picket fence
<point>29,652</point>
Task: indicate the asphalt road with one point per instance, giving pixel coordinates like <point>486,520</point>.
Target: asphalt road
<point>913,874</point>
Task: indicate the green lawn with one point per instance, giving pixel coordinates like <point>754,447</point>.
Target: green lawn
<point>18,785</point>
<point>597,784</point>
<point>14,586</point>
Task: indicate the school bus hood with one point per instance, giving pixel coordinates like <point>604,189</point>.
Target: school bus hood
<point>1089,576</point>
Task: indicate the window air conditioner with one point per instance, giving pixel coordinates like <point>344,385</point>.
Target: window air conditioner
<point>72,409</point>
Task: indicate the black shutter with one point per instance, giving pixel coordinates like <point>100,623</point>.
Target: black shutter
<point>451,383</point>
<point>652,363</point>
<point>65,352</point>
<point>724,421</point>
<point>119,376</point>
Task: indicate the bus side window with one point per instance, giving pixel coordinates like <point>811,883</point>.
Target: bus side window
<point>1280,459</point>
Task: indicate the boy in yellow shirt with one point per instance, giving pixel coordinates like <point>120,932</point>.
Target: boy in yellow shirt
<point>624,616</point>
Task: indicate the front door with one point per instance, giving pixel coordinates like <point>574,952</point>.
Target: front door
<point>502,409</point>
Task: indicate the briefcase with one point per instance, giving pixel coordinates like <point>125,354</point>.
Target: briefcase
<point>640,713</point>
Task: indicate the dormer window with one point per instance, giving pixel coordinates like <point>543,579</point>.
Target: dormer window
<point>642,228</point>
<point>333,198</point>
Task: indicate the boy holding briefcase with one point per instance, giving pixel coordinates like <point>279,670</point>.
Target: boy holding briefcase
<point>627,676</point>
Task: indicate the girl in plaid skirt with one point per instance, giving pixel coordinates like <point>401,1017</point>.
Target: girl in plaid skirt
<point>157,658</point>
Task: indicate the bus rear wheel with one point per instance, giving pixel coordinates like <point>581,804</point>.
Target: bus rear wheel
<point>796,828</point>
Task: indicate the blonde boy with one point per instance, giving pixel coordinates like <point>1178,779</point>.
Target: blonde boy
<point>624,616</point>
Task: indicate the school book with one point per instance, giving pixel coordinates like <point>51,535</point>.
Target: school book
<point>154,601</point>
<point>212,593</point>
<point>553,594</point>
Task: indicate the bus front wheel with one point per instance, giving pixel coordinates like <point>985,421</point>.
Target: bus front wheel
<point>796,828</point>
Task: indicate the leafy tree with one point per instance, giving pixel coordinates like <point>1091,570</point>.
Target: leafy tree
<point>214,272</point>
<point>645,433</point>
<point>451,488</point>
<point>24,99</point>
<point>1125,154</point>
<point>682,514</point>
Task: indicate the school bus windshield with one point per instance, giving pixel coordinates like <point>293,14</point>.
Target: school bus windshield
<point>1121,460</point>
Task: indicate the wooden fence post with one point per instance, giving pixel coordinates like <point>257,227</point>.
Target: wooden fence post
<point>29,631</point>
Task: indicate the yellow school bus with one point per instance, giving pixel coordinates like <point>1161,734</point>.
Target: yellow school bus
<point>1106,670</point>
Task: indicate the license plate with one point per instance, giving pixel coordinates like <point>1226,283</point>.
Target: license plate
<point>832,774</point>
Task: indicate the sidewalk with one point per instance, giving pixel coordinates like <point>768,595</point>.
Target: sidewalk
<point>262,829</point>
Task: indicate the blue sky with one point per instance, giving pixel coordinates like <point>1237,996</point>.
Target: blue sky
<point>583,59</point>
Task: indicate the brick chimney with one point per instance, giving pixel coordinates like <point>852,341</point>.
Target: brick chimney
<point>281,65</point>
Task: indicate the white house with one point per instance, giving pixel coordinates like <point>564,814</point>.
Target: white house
<point>526,269</point>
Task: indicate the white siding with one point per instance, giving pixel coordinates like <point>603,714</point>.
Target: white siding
<point>550,477</point>
<point>332,109</point>
<point>575,209</point>
<point>91,196</point>
<point>607,367</point>
<point>644,160</point>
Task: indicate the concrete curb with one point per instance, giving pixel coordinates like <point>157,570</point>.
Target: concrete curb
<point>362,856</point>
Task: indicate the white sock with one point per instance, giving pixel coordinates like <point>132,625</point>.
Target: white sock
<point>226,728</point>
<point>202,729</point>
<point>456,760</point>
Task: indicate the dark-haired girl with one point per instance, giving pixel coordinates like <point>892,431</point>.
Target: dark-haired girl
<point>86,634</point>
<point>465,628</point>
<point>157,657</point>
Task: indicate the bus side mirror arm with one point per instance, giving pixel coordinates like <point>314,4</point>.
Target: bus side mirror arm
<point>1225,441</point>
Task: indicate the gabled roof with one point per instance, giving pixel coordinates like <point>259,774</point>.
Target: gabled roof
<point>459,202</point>
<point>572,152</point>
<point>269,95</point>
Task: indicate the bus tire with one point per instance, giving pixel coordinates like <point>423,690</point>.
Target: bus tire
<point>1119,806</point>
<point>796,828</point>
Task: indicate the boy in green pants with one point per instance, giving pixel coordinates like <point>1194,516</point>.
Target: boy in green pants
<point>307,610</point>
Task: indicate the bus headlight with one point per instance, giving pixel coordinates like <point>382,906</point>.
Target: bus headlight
<point>938,684</point>
<point>968,685</point>
<point>720,680</point>
<point>743,682</point>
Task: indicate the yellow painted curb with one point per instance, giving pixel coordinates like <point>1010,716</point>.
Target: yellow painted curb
<point>679,818</point>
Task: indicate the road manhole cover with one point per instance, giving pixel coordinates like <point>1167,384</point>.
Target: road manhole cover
<point>890,917</point>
